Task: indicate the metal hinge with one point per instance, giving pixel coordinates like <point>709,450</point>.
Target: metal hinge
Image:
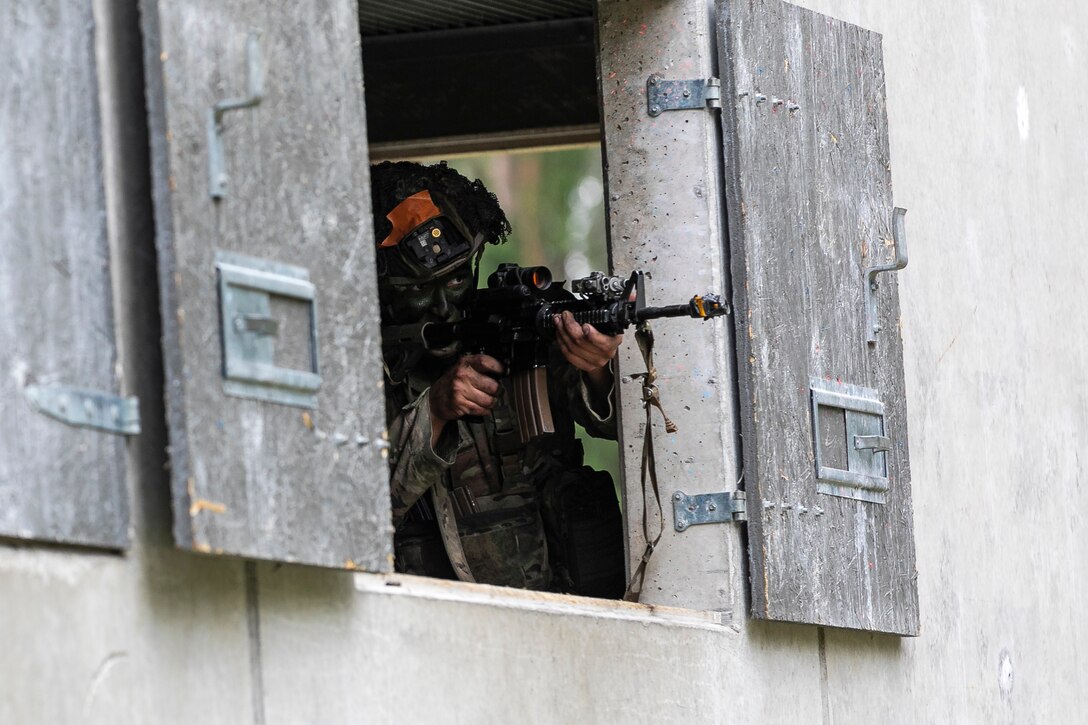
<point>86,408</point>
<point>663,95</point>
<point>708,508</point>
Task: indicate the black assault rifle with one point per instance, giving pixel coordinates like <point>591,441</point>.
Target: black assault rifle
<point>511,320</point>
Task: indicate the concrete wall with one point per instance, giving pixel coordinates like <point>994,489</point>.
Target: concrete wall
<point>986,108</point>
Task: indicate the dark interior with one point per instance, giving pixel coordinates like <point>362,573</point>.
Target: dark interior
<point>479,75</point>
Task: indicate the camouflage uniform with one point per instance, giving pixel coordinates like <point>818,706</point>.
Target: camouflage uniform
<point>480,506</point>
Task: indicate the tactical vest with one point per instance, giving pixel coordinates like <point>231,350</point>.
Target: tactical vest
<point>528,516</point>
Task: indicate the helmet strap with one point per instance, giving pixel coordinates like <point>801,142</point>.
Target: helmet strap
<point>478,243</point>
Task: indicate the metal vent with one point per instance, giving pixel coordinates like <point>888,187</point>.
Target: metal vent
<point>411,16</point>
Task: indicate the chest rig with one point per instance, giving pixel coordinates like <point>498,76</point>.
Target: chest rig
<point>487,508</point>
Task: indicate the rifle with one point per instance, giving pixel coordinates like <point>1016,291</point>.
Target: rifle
<point>511,320</point>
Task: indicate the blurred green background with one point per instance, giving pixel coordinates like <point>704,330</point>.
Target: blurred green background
<point>554,200</point>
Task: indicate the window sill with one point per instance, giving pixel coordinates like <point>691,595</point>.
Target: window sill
<point>543,602</point>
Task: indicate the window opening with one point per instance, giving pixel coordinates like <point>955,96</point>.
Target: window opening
<point>554,201</point>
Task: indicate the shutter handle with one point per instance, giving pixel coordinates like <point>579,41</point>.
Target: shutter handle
<point>263,325</point>
<point>217,165</point>
<point>899,242</point>
<point>872,443</point>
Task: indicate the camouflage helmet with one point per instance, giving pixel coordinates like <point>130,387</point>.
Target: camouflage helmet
<point>429,220</point>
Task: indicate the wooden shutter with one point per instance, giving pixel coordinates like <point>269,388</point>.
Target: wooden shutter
<point>60,480</point>
<point>269,298</point>
<point>809,203</point>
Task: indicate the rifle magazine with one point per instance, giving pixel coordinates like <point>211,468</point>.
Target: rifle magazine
<point>531,403</point>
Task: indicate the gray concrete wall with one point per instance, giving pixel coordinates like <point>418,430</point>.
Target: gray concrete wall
<point>986,108</point>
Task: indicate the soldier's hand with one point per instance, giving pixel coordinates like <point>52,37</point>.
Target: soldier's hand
<point>469,387</point>
<point>585,347</point>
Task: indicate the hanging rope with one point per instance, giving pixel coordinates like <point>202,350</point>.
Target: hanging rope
<point>650,399</point>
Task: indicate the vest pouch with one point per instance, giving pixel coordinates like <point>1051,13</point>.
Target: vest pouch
<point>419,550</point>
<point>510,552</point>
<point>585,532</point>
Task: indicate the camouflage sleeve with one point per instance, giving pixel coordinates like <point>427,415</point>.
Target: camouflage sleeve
<point>596,413</point>
<point>414,465</point>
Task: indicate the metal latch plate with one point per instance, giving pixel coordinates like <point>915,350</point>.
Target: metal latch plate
<point>269,331</point>
<point>708,508</point>
<point>86,408</point>
<point>850,442</point>
<point>663,95</point>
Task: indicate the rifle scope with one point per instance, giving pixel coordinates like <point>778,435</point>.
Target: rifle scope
<point>511,275</point>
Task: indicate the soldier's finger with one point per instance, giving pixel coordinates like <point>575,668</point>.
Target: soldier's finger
<point>485,364</point>
<point>474,410</point>
<point>474,397</point>
<point>566,348</point>
<point>596,352</point>
<point>571,326</point>
<point>471,385</point>
<point>570,332</point>
<point>578,357</point>
<point>481,382</point>
<point>561,335</point>
<point>607,344</point>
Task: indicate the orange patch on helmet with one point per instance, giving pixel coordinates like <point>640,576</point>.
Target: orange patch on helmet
<point>409,214</point>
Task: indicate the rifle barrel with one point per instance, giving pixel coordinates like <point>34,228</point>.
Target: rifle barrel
<point>653,313</point>
<point>701,307</point>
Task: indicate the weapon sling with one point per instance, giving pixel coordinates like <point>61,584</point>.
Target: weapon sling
<point>650,399</point>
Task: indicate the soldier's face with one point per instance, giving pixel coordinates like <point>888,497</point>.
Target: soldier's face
<point>439,300</point>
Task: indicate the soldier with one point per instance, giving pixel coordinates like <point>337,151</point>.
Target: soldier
<point>469,501</point>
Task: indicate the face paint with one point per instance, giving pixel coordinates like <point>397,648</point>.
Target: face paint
<point>438,300</point>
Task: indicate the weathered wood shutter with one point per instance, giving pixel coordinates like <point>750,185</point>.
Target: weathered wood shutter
<point>59,481</point>
<point>809,202</point>
<point>269,298</point>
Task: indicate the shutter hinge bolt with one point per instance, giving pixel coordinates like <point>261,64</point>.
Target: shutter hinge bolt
<point>665,95</point>
<point>708,508</point>
<point>86,408</point>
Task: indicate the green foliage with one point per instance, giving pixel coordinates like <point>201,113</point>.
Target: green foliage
<point>555,203</point>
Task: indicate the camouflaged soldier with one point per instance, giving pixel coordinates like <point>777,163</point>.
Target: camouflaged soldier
<point>469,501</point>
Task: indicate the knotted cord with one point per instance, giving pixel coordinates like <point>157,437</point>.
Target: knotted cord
<point>650,399</point>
